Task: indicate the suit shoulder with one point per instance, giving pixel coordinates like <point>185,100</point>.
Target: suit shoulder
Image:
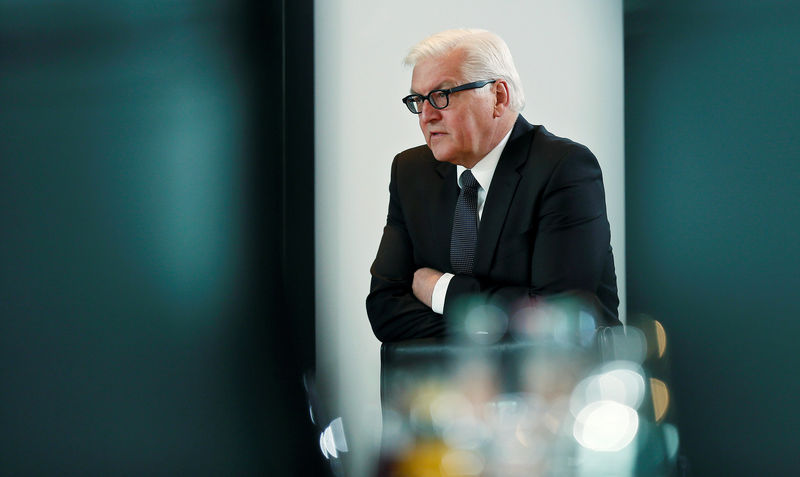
<point>557,146</point>
<point>551,154</point>
<point>415,163</point>
<point>416,155</point>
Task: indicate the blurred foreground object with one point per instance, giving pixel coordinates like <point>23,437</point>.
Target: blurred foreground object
<point>154,214</point>
<point>539,391</point>
<point>332,440</point>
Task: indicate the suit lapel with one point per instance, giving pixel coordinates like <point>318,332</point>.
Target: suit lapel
<point>442,208</point>
<point>501,194</point>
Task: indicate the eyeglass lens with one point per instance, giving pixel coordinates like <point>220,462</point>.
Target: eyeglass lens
<point>438,99</point>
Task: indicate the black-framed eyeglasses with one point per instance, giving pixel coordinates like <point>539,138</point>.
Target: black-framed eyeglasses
<point>439,98</point>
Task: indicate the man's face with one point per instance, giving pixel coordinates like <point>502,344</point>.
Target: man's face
<point>462,133</point>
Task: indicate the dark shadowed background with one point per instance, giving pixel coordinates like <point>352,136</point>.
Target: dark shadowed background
<point>713,223</point>
<point>156,294</point>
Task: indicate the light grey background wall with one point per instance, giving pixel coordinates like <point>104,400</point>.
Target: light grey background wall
<point>569,55</point>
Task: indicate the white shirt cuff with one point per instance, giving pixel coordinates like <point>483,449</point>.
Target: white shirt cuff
<point>440,292</point>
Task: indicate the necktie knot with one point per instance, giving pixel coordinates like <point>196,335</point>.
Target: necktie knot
<point>468,181</point>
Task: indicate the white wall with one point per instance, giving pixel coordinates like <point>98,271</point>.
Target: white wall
<point>569,55</point>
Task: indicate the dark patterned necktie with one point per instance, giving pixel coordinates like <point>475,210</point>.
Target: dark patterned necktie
<point>465,226</point>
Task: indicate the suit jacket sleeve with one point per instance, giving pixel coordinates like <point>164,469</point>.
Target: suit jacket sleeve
<point>568,244</point>
<point>394,312</point>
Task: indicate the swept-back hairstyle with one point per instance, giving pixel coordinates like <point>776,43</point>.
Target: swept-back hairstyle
<point>486,57</point>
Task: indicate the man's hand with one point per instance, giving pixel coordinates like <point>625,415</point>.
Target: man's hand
<point>424,281</point>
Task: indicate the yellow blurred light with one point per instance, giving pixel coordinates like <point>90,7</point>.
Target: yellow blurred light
<point>462,463</point>
<point>423,459</point>
<point>660,393</point>
<point>661,337</point>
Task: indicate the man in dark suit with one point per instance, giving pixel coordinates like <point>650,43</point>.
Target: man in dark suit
<point>492,207</point>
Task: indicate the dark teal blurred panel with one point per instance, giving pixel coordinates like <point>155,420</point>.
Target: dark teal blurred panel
<point>140,302</point>
<point>712,180</point>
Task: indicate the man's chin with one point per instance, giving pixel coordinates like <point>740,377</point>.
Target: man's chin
<point>440,155</point>
<point>443,159</point>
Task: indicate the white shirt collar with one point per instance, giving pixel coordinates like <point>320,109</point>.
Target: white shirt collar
<point>484,169</point>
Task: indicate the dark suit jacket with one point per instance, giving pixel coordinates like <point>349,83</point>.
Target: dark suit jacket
<point>543,231</point>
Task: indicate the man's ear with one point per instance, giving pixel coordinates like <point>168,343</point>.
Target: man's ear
<point>501,97</point>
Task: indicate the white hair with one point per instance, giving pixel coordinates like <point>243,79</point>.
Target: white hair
<point>486,57</point>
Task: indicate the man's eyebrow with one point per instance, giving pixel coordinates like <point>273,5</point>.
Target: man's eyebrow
<point>442,85</point>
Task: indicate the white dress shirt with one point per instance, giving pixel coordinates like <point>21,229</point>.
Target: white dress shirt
<point>483,172</point>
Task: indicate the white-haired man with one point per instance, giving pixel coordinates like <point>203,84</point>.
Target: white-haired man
<point>491,207</point>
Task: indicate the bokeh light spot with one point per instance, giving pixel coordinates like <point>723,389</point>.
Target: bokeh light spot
<point>661,338</point>
<point>606,426</point>
<point>660,393</point>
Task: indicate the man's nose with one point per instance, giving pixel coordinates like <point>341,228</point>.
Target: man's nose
<point>428,112</point>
